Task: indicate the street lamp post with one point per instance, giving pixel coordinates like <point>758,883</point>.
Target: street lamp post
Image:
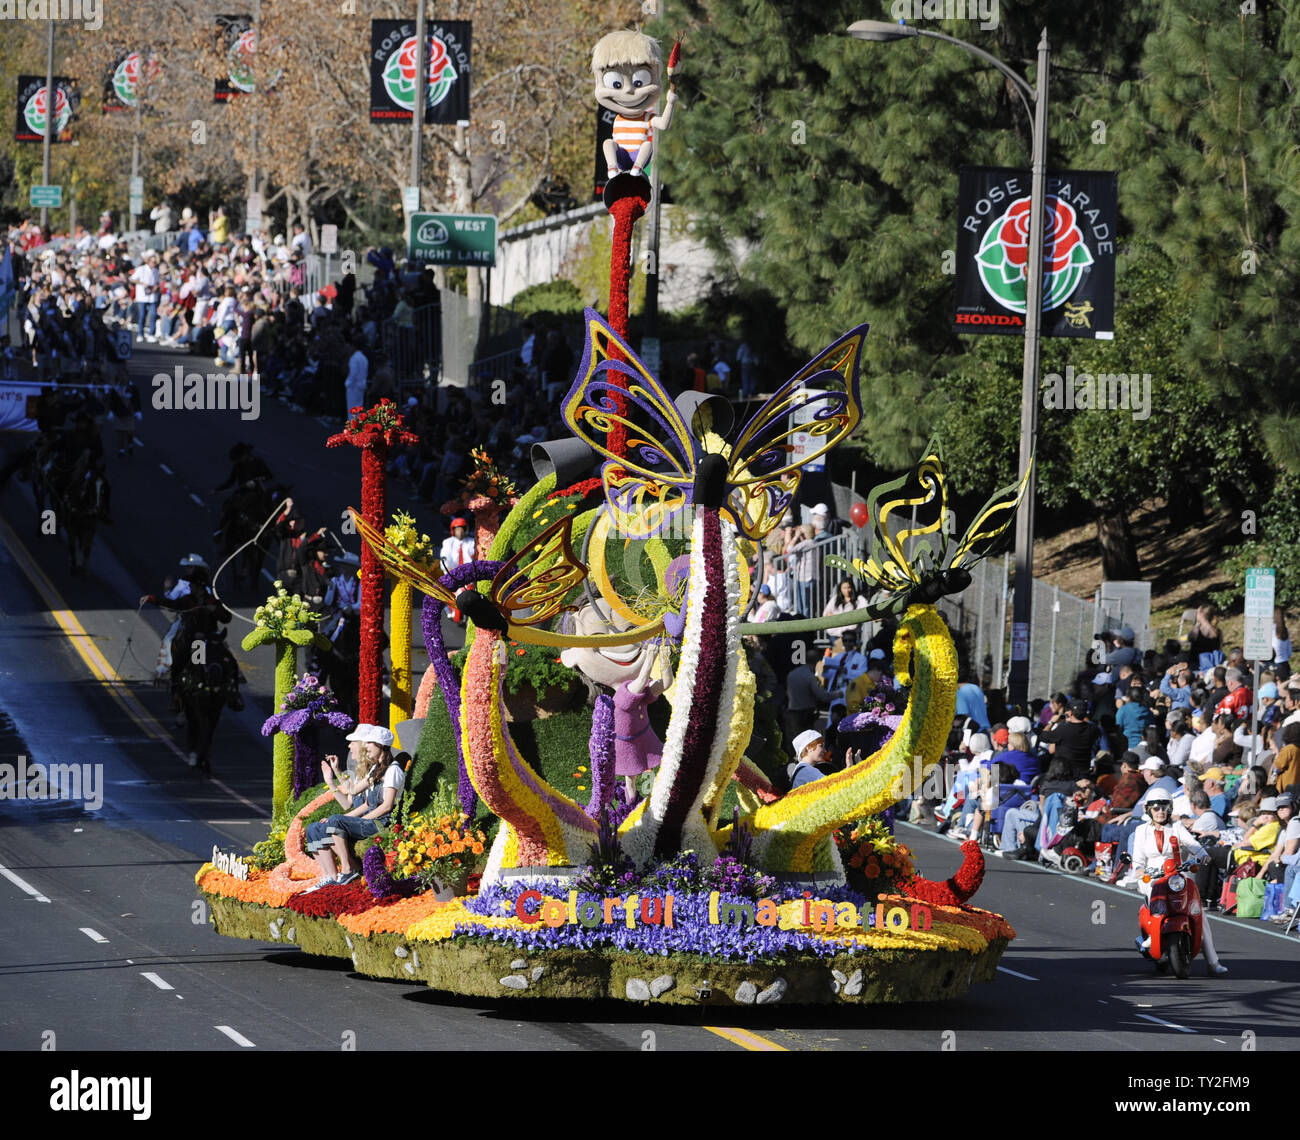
<point>1035,98</point>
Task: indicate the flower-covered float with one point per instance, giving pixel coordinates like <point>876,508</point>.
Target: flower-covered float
<point>633,843</point>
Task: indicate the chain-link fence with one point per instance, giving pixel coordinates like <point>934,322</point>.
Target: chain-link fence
<point>1061,635</point>
<point>978,620</point>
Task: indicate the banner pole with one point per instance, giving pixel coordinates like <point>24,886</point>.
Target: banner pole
<point>51,113</point>
<point>421,92</point>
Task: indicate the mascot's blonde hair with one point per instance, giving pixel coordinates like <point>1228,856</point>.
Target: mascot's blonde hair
<point>624,49</point>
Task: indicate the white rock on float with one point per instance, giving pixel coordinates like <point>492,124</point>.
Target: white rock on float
<point>661,985</point>
<point>408,968</point>
<point>275,932</point>
<point>514,982</point>
<point>746,993</point>
<point>401,951</point>
<point>854,985</point>
<point>637,989</point>
<point>774,993</point>
<point>519,964</point>
<point>348,939</point>
<point>538,971</point>
<point>293,930</point>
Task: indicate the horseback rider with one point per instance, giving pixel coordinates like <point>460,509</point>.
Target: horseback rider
<point>190,589</point>
<point>249,476</point>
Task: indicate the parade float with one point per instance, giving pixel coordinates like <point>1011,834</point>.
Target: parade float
<point>591,806</point>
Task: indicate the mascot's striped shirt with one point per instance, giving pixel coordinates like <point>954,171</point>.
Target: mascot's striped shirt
<point>629,134</point>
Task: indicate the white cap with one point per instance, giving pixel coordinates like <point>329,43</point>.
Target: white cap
<point>821,509</point>
<point>979,742</point>
<point>805,738</point>
<point>876,655</point>
<point>371,734</point>
<point>1153,765</point>
<point>1020,724</point>
<point>1268,803</point>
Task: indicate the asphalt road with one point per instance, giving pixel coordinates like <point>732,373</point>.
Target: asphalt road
<point>107,949</point>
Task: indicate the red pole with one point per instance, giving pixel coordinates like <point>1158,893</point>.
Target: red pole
<point>374,488</point>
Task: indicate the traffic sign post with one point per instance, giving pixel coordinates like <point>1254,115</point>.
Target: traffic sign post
<point>46,197</point>
<point>329,245</point>
<point>452,239</point>
<point>1257,640</point>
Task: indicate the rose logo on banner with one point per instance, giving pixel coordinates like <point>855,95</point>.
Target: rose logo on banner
<point>399,73</point>
<point>126,77</point>
<point>1004,254</point>
<point>34,111</point>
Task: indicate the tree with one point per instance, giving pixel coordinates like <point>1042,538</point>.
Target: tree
<point>1107,461</point>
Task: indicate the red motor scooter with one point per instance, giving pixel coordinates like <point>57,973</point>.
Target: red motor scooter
<point>1172,917</point>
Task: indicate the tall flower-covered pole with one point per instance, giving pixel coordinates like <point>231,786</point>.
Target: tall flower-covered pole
<point>375,431</point>
<point>285,622</point>
<point>403,534</point>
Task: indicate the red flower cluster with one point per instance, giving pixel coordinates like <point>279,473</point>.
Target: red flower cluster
<point>955,890</point>
<point>583,488</point>
<point>328,901</point>
<point>382,423</point>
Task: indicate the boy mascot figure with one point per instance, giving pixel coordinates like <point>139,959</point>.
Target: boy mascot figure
<point>628,69</point>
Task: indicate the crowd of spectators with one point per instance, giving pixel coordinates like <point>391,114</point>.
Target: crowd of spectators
<point>1072,773</point>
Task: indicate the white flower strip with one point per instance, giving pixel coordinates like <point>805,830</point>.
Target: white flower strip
<point>639,840</point>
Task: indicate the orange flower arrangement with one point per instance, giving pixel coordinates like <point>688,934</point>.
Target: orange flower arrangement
<point>391,918</point>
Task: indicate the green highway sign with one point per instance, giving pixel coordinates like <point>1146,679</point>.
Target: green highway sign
<point>453,239</point>
<point>51,196</point>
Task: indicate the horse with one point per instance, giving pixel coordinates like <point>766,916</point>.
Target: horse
<point>245,512</point>
<point>83,504</point>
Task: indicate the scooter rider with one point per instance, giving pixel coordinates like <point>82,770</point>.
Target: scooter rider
<point>1152,845</point>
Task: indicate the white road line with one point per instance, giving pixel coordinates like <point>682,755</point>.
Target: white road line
<point>157,981</point>
<point>1166,1024</point>
<point>166,469</point>
<point>1016,974</point>
<point>196,499</point>
<point>22,884</point>
<point>236,1037</point>
<point>93,935</point>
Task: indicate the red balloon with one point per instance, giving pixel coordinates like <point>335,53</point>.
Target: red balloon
<point>858,513</point>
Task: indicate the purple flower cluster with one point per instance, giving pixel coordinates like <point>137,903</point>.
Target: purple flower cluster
<point>380,880</point>
<point>601,754</point>
<point>457,578</point>
<point>307,705</point>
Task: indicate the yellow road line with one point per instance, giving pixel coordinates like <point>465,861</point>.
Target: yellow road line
<point>94,660</point>
<point>746,1040</point>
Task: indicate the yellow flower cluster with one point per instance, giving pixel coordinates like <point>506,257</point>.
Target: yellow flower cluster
<point>403,533</point>
<point>440,924</point>
<point>425,842</point>
<point>941,936</point>
<point>283,611</point>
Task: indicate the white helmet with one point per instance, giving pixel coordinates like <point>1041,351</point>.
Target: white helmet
<point>193,560</point>
<point>1158,796</point>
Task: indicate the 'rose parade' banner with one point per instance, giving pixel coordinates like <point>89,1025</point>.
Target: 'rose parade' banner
<point>392,71</point>
<point>122,88</point>
<point>31,108</point>
<point>1078,252</point>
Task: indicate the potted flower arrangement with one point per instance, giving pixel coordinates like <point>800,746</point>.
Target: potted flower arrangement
<point>440,852</point>
<point>875,863</point>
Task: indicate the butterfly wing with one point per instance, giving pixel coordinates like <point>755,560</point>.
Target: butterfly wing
<point>990,523</point>
<point>822,403</point>
<point>400,564</point>
<point>531,587</point>
<point>617,408</point>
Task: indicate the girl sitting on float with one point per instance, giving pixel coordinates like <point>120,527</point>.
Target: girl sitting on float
<point>369,791</point>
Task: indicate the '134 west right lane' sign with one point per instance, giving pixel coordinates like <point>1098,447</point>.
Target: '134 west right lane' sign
<point>1078,252</point>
